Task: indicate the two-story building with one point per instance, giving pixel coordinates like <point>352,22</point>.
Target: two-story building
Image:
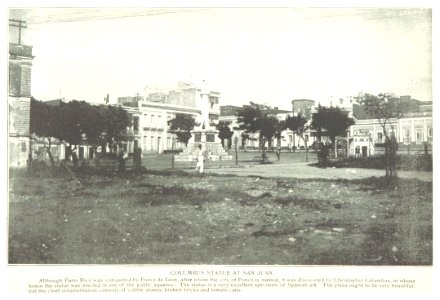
<point>152,113</point>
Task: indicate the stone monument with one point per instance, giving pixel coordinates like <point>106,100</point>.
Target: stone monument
<point>204,134</point>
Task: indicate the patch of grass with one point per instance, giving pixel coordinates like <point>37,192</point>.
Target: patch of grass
<point>273,233</point>
<point>404,162</point>
<point>177,217</point>
<point>308,203</point>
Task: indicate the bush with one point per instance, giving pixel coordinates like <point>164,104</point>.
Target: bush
<point>412,162</point>
<point>404,162</point>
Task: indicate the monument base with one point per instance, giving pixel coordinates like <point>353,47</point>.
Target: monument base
<point>210,142</point>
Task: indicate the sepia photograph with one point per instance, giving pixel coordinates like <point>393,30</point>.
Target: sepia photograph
<point>220,137</point>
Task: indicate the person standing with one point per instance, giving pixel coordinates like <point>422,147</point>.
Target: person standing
<point>121,161</point>
<point>199,157</point>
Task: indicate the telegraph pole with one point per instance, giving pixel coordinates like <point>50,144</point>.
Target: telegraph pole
<point>20,24</point>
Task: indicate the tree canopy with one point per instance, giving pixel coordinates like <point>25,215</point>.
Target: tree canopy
<point>383,106</point>
<point>258,118</point>
<point>75,121</point>
<point>182,124</point>
<point>331,121</point>
<point>298,124</point>
<point>224,132</point>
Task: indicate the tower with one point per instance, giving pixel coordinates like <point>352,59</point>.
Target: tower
<point>19,99</point>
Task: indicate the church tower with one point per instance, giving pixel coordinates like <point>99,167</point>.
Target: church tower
<point>20,67</point>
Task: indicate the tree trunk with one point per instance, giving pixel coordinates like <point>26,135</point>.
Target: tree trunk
<point>74,156</point>
<point>52,162</point>
<point>307,151</point>
<point>390,158</point>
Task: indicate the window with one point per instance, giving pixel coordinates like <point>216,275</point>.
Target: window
<point>23,147</point>
<point>379,136</point>
<point>144,143</point>
<point>430,132</point>
<point>419,135</point>
<point>152,121</point>
<point>159,121</point>
<point>136,124</point>
<point>406,135</point>
<point>152,143</point>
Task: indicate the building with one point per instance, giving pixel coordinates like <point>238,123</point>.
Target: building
<point>152,113</point>
<point>413,130</point>
<point>20,68</point>
<point>304,107</point>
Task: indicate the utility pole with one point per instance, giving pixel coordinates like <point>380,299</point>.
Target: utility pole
<point>20,24</point>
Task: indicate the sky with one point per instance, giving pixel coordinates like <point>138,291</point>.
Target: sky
<point>264,55</point>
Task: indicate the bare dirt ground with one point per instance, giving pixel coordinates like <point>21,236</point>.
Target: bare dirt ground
<point>174,217</point>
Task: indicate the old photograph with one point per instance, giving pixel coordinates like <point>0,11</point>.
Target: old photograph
<point>220,136</point>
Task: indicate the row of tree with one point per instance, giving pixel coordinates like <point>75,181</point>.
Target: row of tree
<point>103,125</point>
<point>76,121</point>
<point>260,119</point>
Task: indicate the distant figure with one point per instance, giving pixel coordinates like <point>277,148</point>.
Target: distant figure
<point>121,161</point>
<point>200,157</point>
<point>323,154</point>
<point>29,160</point>
<point>278,153</point>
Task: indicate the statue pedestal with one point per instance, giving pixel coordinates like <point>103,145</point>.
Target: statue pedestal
<point>209,140</point>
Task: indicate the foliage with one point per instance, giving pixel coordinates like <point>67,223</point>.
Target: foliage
<point>182,124</point>
<point>384,107</point>
<point>225,133</point>
<point>77,121</point>
<point>43,123</point>
<point>298,124</point>
<point>404,162</point>
<point>115,121</point>
<point>257,118</point>
<point>331,121</point>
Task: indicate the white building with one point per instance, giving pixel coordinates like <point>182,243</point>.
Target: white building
<point>152,113</point>
<point>411,131</point>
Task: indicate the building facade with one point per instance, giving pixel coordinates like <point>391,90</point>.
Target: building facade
<point>152,113</point>
<point>20,68</point>
<point>412,131</point>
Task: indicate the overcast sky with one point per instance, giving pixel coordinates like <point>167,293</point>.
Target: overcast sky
<point>263,55</point>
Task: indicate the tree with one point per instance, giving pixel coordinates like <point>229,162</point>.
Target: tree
<point>298,124</point>
<point>43,124</point>
<point>225,133</point>
<point>384,107</point>
<point>330,121</point>
<point>182,124</point>
<point>256,118</point>
<point>115,121</point>
<point>72,124</point>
